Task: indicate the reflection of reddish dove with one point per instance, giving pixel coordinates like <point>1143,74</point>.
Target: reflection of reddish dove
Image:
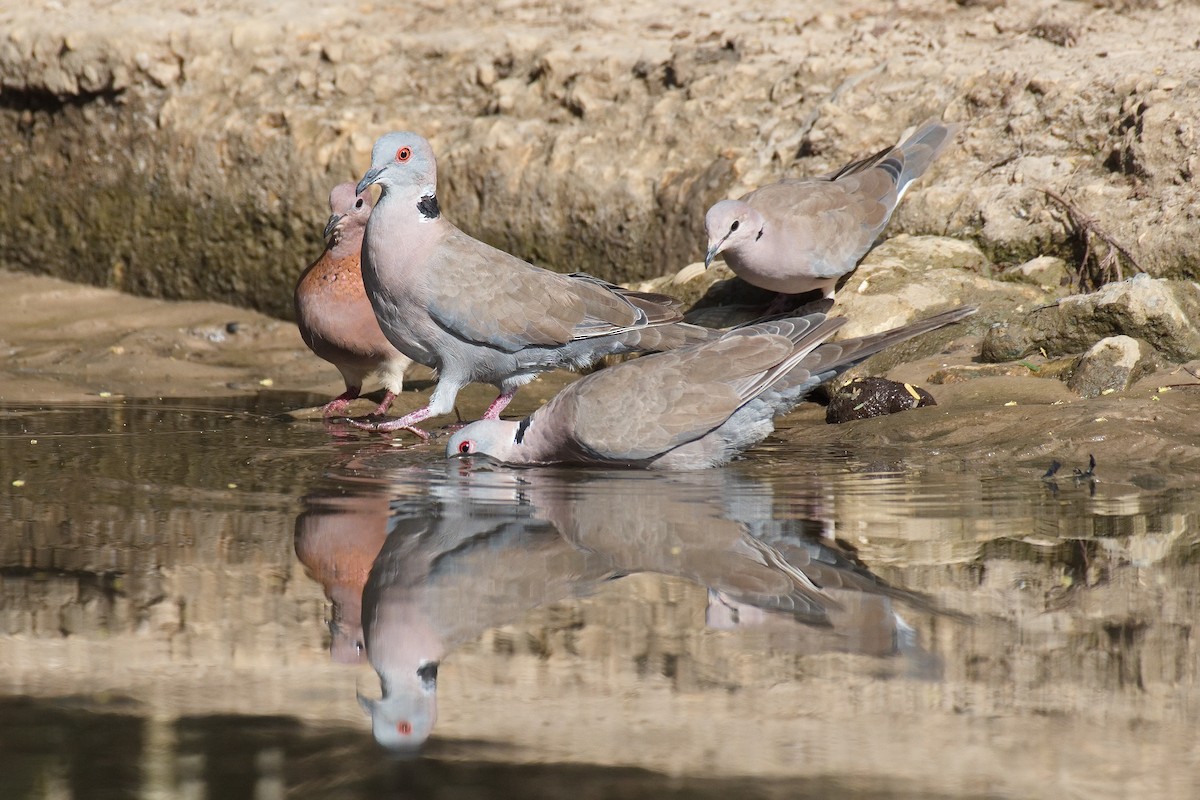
<point>798,235</point>
<point>337,539</point>
<point>332,310</point>
<point>477,314</point>
<point>691,408</point>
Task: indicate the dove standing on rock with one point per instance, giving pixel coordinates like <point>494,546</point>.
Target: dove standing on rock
<point>478,314</point>
<point>799,235</point>
<point>691,408</point>
<point>333,313</point>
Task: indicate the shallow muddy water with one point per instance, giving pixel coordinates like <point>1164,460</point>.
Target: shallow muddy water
<point>195,593</point>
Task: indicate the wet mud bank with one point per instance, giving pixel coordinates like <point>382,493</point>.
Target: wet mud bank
<point>67,342</point>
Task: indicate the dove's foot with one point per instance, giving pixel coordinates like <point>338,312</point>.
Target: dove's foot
<point>340,403</point>
<point>406,423</point>
<point>384,404</point>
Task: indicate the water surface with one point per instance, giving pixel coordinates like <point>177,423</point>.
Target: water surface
<point>182,601</point>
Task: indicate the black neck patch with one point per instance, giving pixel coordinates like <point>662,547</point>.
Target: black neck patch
<point>428,206</point>
<point>524,426</point>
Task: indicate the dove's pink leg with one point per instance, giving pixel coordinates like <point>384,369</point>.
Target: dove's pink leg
<point>405,423</point>
<point>340,403</point>
<point>493,411</point>
<point>385,404</point>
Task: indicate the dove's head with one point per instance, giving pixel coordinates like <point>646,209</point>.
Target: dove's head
<point>404,162</point>
<point>730,225</point>
<point>403,718</point>
<point>498,438</point>
<point>348,211</point>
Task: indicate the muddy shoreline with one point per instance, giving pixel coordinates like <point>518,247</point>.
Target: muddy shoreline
<point>65,342</point>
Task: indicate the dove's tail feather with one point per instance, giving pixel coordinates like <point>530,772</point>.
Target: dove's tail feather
<point>920,149</point>
<point>908,160</point>
<point>831,359</point>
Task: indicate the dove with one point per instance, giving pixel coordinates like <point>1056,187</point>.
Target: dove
<point>691,408</point>
<point>478,314</point>
<point>799,235</point>
<point>333,313</point>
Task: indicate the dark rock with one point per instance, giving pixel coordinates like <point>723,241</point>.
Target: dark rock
<point>864,398</point>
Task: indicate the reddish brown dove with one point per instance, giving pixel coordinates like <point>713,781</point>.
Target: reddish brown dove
<point>333,313</point>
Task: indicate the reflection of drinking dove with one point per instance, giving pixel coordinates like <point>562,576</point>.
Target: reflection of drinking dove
<point>333,313</point>
<point>449,571</point>
<point>478,314</point>
<point>690,408</point>
<point>799,235</point>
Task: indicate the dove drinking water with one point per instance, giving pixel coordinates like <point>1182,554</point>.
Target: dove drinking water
<point>691,408</point>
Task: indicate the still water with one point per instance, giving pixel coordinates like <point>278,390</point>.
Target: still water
<point>203,600</point>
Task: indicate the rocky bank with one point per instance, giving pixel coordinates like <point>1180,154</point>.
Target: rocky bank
<point>185,150</point>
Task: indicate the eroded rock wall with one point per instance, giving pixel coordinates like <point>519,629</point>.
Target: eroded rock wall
<point>187,152</point>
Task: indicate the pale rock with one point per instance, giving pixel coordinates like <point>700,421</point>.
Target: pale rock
<point>1112,364</point>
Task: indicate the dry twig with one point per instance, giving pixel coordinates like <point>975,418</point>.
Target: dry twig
<point>1095,270</point>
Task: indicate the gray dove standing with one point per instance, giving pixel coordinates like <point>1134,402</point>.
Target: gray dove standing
<point>691,408</point>
<point>478,314</point>
<point>799,235</point>
<point>333,313</point>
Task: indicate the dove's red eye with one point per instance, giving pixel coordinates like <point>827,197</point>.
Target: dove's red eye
<point>404,728</point>
<point>465,447</point>
<point>403,154</point>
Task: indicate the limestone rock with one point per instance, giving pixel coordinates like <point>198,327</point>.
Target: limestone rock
<point>1049,273</point>
<point>584,137</point>
<point>1165,313</point>
<point>1112,364</point>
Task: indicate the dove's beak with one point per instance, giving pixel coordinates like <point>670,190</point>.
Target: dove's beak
<point>329,226</point>
<point>712,252</point>
<point>368,179</point>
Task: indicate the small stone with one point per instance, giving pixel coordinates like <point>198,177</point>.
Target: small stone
<point>1112,365</point>
<point>1004,342</point>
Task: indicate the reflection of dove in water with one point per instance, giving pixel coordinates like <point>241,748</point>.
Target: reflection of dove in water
<point>448,572</point>
<point>337,539</point>
<point>480,553</point>
<point>717,529</point>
